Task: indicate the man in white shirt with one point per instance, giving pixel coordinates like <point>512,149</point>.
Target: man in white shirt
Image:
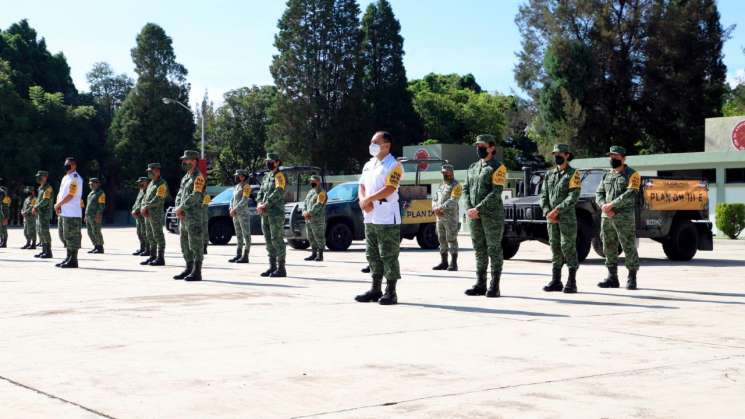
<point>378,198</point>
<point>70,212</point>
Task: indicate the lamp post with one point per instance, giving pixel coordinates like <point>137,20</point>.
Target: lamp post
<point>168,101</point>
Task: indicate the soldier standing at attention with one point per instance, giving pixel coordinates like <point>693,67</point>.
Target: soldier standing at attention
<point>70,212</point>
<point>616,196</point>
<point>241,216</point>
<point>43,213</point>
<point>5,201</point>
<point>95,205</point>
<point>559,194</point>
<point>445,207</point>
<point>142,183</point>
<point>485,181</point>
<point>315,218</point>
<point>378,197</point>
<point>29,221</point>
<point>206,220</point>
<point>189,203</point>
<point>271,207</point>
<point>153,212</point>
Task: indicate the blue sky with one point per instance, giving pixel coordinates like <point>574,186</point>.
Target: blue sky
<point>226,44</point>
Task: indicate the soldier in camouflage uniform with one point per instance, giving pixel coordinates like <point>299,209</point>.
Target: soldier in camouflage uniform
<point>445,207</point>
<point>616,195</point>
<point>271,207</point>
<point>43,213</point>
<point>206,220</point>
<point>5,201</point>
<point>142,235</point>
<point>559,195</point>
<point>190,212</point>
<point>95,205</point>
<point>29,221</point>
<point>315,218</point>
<point>241,216</point>
<point>152,209</point>
<point>482,191</point>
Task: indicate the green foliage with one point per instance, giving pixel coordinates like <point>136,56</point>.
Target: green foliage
<point>731,219</point>
<point>735,101</point>
<point>430,141</point>
<point>108,89</point>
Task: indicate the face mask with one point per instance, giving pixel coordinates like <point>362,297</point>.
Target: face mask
<point>446,178</point>
<point>237,179</point>
<point>313,185</point>
<point>186,166</point>
<point>615,163</point>
<point>559,159</point>
<point>270,165</point>
<point>68,167</point>
<point>150,175</point>
<point>374,149</point>
<point>483,153</point>
<point>39,179</point>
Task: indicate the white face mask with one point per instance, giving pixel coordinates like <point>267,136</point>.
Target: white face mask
<point>374,150</point>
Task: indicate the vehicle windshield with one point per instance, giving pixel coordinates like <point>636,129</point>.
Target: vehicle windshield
<point>343,192</point>
<point>223,197</point>
<point>590,182</point>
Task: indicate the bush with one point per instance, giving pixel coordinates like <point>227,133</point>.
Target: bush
<point>731,219</point>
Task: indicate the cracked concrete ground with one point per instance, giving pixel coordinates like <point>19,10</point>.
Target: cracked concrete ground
<point>118,340</point>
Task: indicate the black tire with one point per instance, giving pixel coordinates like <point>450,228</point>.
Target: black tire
<point>221,231</point>
<point>338,236</point>
<point>682,243</point>
<point>427,237</point>
<point>597,246</point>
<point>584,240</point>
<point>299,244</point>
<point>510,248</point>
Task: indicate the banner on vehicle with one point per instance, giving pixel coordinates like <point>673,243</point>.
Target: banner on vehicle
<point>676,195</point>
<point>419,211</point>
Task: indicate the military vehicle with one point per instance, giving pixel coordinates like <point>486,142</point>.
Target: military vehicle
<point>673,212</point>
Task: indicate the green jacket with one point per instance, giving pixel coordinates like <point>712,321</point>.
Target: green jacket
<point>95,203</point>
<point>560,190</point>
<point>619,189</point>
<point>44,204</point>
<point>5,201</point>
<point>155,195</point>
<point>191,194</point>
<point>315,204</point>
<point>446,198</point>
<point>272,193</point>
<point>138,200</point>
<point>485,181</point>
<point>241,198</point>
<point>28,206</point>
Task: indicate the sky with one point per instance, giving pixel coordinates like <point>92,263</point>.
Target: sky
<point>227,44</point>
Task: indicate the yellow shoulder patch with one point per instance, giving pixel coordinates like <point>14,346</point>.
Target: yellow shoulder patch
<point>457,191</point>
<point>322,198</point>
<point>48,193</point>
<point>73,188</point>
<point>206,200</point>
<point>280,181</point>
<point>199,183</point>
<point>576,181</point>
<point>102,199</point>
<point>395,176</point>
<point>635,181</point>
<point>33,201</point>
<point>247,191</point>
<point>162,190</point>
<point>499,177</point>
<point>7,200</point>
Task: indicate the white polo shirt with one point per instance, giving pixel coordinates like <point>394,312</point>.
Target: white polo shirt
<point>375,176</point>
<point>72,184</point>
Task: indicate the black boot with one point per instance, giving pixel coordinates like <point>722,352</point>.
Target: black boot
<point>186,272</point>
<point>631,282</point>
<point>236,258</point>
<point>46,253</point>
<point>33,245</point>
<point>244,257</point>
<point>280,272</point>
<point>151,259</point>
<point>494,285</point>
<point>571,287</point>
<point>43,249</point>
<point>390,297</point>
<point>373,295</point>
<point>612,280</point>
<point>146,252</point>
<point>453,262</point>
<point>98,249</point>
<point>365,270</point>
<point>94,250</point>
<point>139,251</point>
<point>205,251</point>
<point>72,262</point>
<point>272,267</point>
<point>196,273</point>
<point>480,287</point>
<point>555,285</point>
<point>159,258</point>
<point>65,260</point>
<point>312,256</point>
<point>319,258</point>
<point>27,245</point>
<point>443,262</point>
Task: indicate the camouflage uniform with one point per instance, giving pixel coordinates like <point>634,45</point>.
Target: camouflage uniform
<point>5,201</point>
<point>315,222</point>
<point>242,219</point>
<point>154,201</point>
<point>560,191</point>
<point>94,215</point>
<point>620,190</point>
<point>29,221</point>
<point>142,235</point>
<point>272,193</point>
<point>446,199</point>
<point>206,221</point>
<point>485,181</point>
<point>189,199</point>
<point>43,210</point>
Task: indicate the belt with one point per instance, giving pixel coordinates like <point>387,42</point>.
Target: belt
<point>380,201</point>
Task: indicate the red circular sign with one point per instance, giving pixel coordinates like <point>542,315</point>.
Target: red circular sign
<point>738,136</point>
<point>422,153</point>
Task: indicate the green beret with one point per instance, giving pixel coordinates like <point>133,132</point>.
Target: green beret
<point>447,168</point>
<point>94,180</point>
<point>151,166</point>
<point>190,155</point>
<point>617,149</point>
<point>42,173</point>
<point>241,172</point>
<point>272,156</point>
<point>486,139</point>
<point>142,179</point>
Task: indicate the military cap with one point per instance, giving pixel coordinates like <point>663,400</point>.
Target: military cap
<point>151,166</point>
<point>241,172</point>
<point>72,159</point>
<point>142,179</point>
<point>42,173</point>
<point>190,155</point>
<point>617,149</point>
<point>563,148</point>
<point>272,156</point>
<point>446,167</point>
<point>94,180</point>
<point>28,189</point>
<point>316,178</point>
<point>487,139</point>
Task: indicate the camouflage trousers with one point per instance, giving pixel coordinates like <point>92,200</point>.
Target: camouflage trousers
<point>42,228</point>
<point>192,238</point>
<point>562,237</point>
<point>316,235</point>
<point>383,244</point>
<point>154,230</point>
<point>141,232</point>
<point>29,228</point>
<point>94,230</point>
<point>242,227</point>
<point>3,230</point>
<point>615,231</point>
<point>69,232</point>
<point>486,236</point>
<point>273,227</point>
<point>447,235</point>
<point>205,226</point>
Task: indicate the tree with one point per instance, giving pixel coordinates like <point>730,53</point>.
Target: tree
<point>734,104</point>
<point>107,88</point>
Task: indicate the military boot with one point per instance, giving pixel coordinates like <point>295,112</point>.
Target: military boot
<point>631,282</point>
<point>4,243</point>
<point>27,245</point>
<point>280,272</point>
<point>612,280</point>
<point>390,297</point>
<point>319,258</point>
<point>146,251</point>
<point>365,270</point>
<point>453,262</point>
<point>139,251</point>
<point>98,249</point>
<point>72,262</point>
<point>244,257</point>
<point>67,258</point>
<point>571,287</point>
<point>312,256</point>
<point>43,249</point>
<point>33,245</point>
<point>555,285</point>
<point>443,263</point>
<point>494,285</point>
<point>374,294</point>
<point>46,253</point>
<point>186,272</point>
<point>238,254</point>
<point>272,267</point>
<point>196,273</point>
<point>205,251</point>
<point>153,255</point>
<point>480,287</point>
<point>160,258</point>
<point>93,250</point>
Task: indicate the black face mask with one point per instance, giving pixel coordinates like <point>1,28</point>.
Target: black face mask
<point>237,179</point>
<point>446,178</point>
<point>483,152</point>
<point>313,185</point>
<point>559,159</point>
<point>68,167</point>
<point>615,163</point>
<point>270,165</point>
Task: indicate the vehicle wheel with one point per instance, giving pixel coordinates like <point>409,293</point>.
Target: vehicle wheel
<point>510,248</point>
<point>682,244</point>
<point>220,232</point>
<point>299,244</point>
<point>427,237</point>
<point>338,237</point>
<point>597,246</point>
<point>584,240</point>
